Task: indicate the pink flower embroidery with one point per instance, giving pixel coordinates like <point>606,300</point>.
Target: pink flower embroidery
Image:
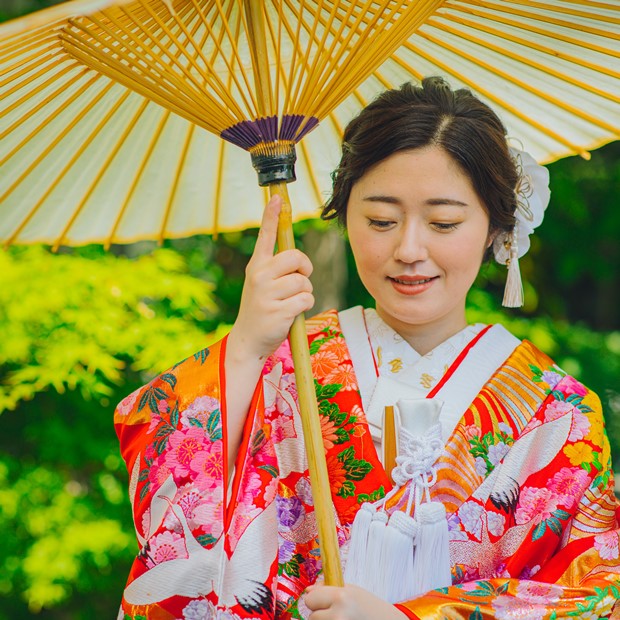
<point>208,466</point>
<point>200,409</point>
<point>469,586</point>
<point>155,422</point>
<point>510,608</point>
<point>282,355</point>
<point>608,545</point>
<point>471,431</point>
<point>580,425</point>
<point>569,385</point>
<point>165,546</point>
<point>146,523</point>
<point>568,485</point>
<point>150,454</point>
<point>189,499</point>
<point>282,428</point>
<point>208,515</point>
<point>183,446</point>
<point>270,491</point>
<point>126,405</point>
<point>539,592</point>
<point>249,489</point>
<point>535,505</point>
<point>556,409</point>
<point>159,471</point>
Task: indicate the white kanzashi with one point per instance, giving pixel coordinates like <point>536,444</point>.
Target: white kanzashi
<point>532,197</point>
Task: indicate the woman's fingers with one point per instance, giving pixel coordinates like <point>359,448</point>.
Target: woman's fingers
<point>348,603</point>
<point>289,285</point>
<point>268,233</point>
<point>276,289</point>
<point>322,597</point>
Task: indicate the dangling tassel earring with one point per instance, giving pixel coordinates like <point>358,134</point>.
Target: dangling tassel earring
<point>355,568</point>
<point>513,293</point>
<point>431,567</point>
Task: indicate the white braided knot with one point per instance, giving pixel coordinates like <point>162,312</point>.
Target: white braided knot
<point>418,454</point>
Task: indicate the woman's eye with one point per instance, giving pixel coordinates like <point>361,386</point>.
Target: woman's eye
<point>379,224</point>
<point>444,226</point>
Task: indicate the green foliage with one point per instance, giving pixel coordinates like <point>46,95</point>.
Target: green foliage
<point>575,261</point>
<point>79,333</point>
<point>76,323</point>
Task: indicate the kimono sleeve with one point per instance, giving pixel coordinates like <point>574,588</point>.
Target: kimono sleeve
<point>171,435</point>
<point>569,558</point>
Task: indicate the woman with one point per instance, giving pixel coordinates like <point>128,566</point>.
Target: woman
<point>517,460</point>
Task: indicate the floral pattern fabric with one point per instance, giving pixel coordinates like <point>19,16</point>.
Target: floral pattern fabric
<point>525,479</point>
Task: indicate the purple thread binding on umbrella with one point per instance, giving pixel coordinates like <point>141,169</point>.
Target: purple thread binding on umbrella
<point>310,125</point>
<point>248,134</point>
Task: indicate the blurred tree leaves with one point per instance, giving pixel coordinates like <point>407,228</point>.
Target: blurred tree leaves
<point>79,332</point>
<point>75,322</point>
<point>577,254</point>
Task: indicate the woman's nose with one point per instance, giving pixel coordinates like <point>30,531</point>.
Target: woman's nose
<point>411,244</point>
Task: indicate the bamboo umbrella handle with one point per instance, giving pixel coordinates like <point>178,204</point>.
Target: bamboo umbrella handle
<point>313,437</point>
<point>309,411</point>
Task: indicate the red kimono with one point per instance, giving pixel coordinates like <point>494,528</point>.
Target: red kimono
<point>525,478</point>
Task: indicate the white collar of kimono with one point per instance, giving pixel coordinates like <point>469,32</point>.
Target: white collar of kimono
<point>405,374</point>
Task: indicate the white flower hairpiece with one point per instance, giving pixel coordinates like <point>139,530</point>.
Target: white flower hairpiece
<point>532,194</point>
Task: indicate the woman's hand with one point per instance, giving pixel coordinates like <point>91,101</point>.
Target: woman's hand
<point>275,291</point>
<point>348,603</point>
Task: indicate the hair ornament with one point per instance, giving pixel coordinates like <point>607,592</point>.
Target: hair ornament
<point>532,195</point>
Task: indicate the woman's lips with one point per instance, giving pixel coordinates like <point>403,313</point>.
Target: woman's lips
<point>412,285</point>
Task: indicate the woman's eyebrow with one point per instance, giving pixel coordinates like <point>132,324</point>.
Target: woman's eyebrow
<point>445,201</point>
<point>433,202</point>
<point>381,198</point>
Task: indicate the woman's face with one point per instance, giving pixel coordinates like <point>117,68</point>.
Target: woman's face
<point>418,232</point>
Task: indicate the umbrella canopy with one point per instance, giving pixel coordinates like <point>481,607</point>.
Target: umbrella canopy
<point>112,110</point>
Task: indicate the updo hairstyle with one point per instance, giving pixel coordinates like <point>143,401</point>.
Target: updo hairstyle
<point>431,114</point>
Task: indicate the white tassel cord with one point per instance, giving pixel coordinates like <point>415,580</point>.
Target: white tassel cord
<point>431,567</point>
<point>358,545</point>
<point>408,556</point>
<point>397,570</point>
<point>513,292</point>
<point>375,553</point>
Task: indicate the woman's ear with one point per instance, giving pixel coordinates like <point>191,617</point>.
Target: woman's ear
<point>491,237</point>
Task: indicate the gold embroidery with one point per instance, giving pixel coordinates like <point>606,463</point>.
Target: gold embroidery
<point>396,365</point>
<point>379,356</point>
<point>426,381</point>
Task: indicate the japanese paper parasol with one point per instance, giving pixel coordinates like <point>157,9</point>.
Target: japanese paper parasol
<point>108,108</point>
